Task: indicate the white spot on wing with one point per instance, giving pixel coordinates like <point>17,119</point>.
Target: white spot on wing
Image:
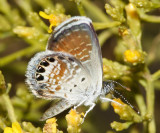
<point>88,44</point>
<point>86,36</point>
<point>65,72</point>
<point>54,81</point>
<point>84,49</point>
<point>84,57</point>
<point>59,66</point>
<point>79,53</point>
<point>58,71</point>
<point>52,75</point>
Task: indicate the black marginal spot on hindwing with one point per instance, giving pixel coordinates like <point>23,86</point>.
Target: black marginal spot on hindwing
<point>70,90</point>
<point>39,77</point>
<point>40,92</point>
<point>40,69</point>
<point>75,85</point>
<point>42,86</point>
<point>61,57</point>
<point>44,63</point>
<point>50,59</point>
<point>71,59</point>
<point>82,79</point>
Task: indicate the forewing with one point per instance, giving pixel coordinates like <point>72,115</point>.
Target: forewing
<point>77,37</point>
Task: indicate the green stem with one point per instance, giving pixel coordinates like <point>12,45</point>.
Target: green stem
<point>7,59</point>
<point>95,12</point>
<point>9,107</point>
<point>103,36</point>
<point>149,18</point>
<point>150,102</point>
<point>80,8</point>
<point>24,5</point>
<point>141,104</point>
<point>156,75</point>
<point>100,26</point>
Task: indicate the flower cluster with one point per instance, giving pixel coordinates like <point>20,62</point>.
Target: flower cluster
<point>54,20</point>
<point>51,126</point>
<point>16,128</point>
<point>74,121</point>
<point>132,56</point>
<point>125,111</point>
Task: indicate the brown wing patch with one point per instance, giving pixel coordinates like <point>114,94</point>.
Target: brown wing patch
<point>61,70</point>
<point>57,88</point>
<point>76,43</point>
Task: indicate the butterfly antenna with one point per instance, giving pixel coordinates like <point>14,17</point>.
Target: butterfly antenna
<point>109,86</point>
<point>112,81</point>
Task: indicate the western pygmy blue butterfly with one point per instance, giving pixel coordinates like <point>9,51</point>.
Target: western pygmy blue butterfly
<point>70,69</point>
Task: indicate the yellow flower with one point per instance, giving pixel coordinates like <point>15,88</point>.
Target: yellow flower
<point>117,106</point>
<point>125,111</point>
<point>121,109</point>
<point>16,128</point>
<point>51,126</point>
<point>133,56</point>
<point>54,20</point>
<point>74,121</point>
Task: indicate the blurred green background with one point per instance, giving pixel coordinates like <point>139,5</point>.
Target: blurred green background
<point>18,45</point>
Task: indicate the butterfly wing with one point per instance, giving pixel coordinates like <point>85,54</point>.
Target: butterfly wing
<point>56,108</point>
<point>70,68</point>
<point>53,75</point>
<point>77,37</point>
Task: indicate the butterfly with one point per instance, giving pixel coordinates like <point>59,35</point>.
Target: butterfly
<point>70,69</point>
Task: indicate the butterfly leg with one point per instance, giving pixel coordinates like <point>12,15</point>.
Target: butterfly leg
<point>82,102</point>
<point>105,99</point>
<point>92,105</point>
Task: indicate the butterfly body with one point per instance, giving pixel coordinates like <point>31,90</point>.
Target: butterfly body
<point>70,69</point>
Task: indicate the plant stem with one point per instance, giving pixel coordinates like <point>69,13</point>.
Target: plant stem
<point>103,36</point>
<point>156,75</point>
<point>141,104</point>
<point>100,26</point>
<point>95,12</point>
<point>80,8</point>
<point>150,102</point>
<point>7,59</point>
<point>9,107</point>
<point>149,18</point>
